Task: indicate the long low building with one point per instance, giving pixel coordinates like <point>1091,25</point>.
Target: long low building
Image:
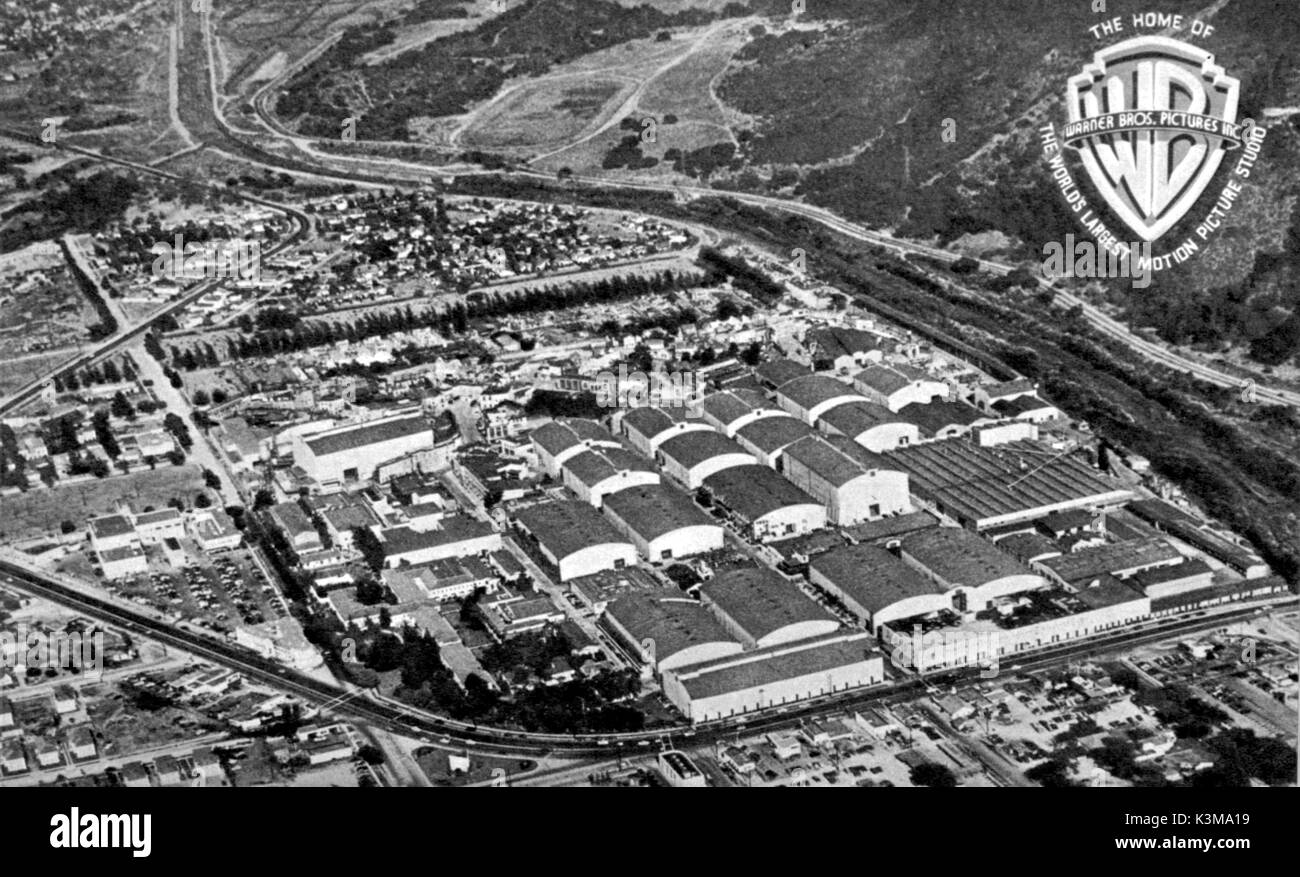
<point>782,674</point>
<point>662,523</point>
<point>767,505</point>
<point>576,538</point>
<point>875,585</point>
<point>768,437</point>
<point>871,425</point>
<point>667,631</point>
<point>352,453</point>
<point>854,484</point>
<point>558,440</point>
<point>811,396</point>
<point>760,608</point>
<point>596,473</point>
<point>961,561</point>
<point>455,536</point>
<point>1120,559</point>
<point>694,456</point>
<point>647,428</point>
<point>730,410</point>
<point>985,487</point>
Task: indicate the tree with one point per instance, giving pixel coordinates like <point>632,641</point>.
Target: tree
<point>201,397</point>
<point>121,407</point>
<point>371,755</point>
<point>67,527</point>
<point>211,479</point>
<point>928,773</point>
<point>202,501</point>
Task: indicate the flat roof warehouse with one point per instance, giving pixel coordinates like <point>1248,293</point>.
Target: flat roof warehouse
<point>985,487</point>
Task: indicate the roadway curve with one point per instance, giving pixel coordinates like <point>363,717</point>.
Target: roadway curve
<point>127,334</point>
<point>1095,317</point>
<point>438,730</point>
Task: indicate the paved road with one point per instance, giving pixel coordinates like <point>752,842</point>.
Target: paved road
<point>434,729</point>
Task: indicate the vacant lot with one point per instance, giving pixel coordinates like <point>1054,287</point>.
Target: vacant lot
<point>40,511</point>
<point>547,113</point>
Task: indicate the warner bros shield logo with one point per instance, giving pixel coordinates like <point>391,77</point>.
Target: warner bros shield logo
<point>1152,118</point>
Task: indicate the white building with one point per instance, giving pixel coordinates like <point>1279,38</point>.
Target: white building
<point>871,425</point>
<point>596,473</point>
<point>767,505</point>
<point>282,640</point>
<point>648,428</point>
<point>853,484</point>
<point>694,456</point>
<point>558,440</point>
<point>897,386</point>
<point>351,454</point>
<point>662,523</point>
<point>576,538</point>
<point>811,396</point>
<point>730,410</point>
<point>782,674</point>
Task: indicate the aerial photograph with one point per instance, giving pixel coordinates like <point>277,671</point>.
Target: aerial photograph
<point>649,393</point>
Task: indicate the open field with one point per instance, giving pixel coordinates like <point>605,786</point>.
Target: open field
<point>41,510</point>
<point>20,371</point>
<point>551,112</point>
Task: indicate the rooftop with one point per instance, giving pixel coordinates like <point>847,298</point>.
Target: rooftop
<point>731,405</point>
<point>653,511</point>
<point>754,491</point>
<point>673,623</point>
<point>1115,558</point>
<point>960,557</point>
<point>351,438</point>
<point>837,463</point>
<point>812,390</point>
<point>693,448</point>
<point>854,418</point>
<point>873,577</point>
<point>768,666</point>
<point>760,602</point>
<point>566,527</point>
<point>1016,481</point>
<point>933,417</point>
<point>770,434</point>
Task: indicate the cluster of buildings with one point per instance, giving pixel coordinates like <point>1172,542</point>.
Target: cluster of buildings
<point>118,541</point>
<point>457,244</point>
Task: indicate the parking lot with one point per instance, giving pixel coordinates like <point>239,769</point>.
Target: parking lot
<point>219,595</point>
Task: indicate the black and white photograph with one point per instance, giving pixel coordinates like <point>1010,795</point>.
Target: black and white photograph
<point>629,394</point>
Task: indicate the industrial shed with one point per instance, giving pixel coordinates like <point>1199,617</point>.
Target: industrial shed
<point>666,632</point>
<point>728,411</point>
<point>558,440</point>
<point>692,457</point>
<point>576,538</point>
<point>782,674</point>
<point>648,428</point>
<point>988,487</point>
<point>897,386</point>
<point>593,475</point>
<point>768,438</point>
<point>875,585</point>
<point>662,523</point>
<point>812,396</point>
<point>959,560</point>
<point>871,425</point>
<point>851,482</point>
<point>760,608</point>
<point>769,506</point>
